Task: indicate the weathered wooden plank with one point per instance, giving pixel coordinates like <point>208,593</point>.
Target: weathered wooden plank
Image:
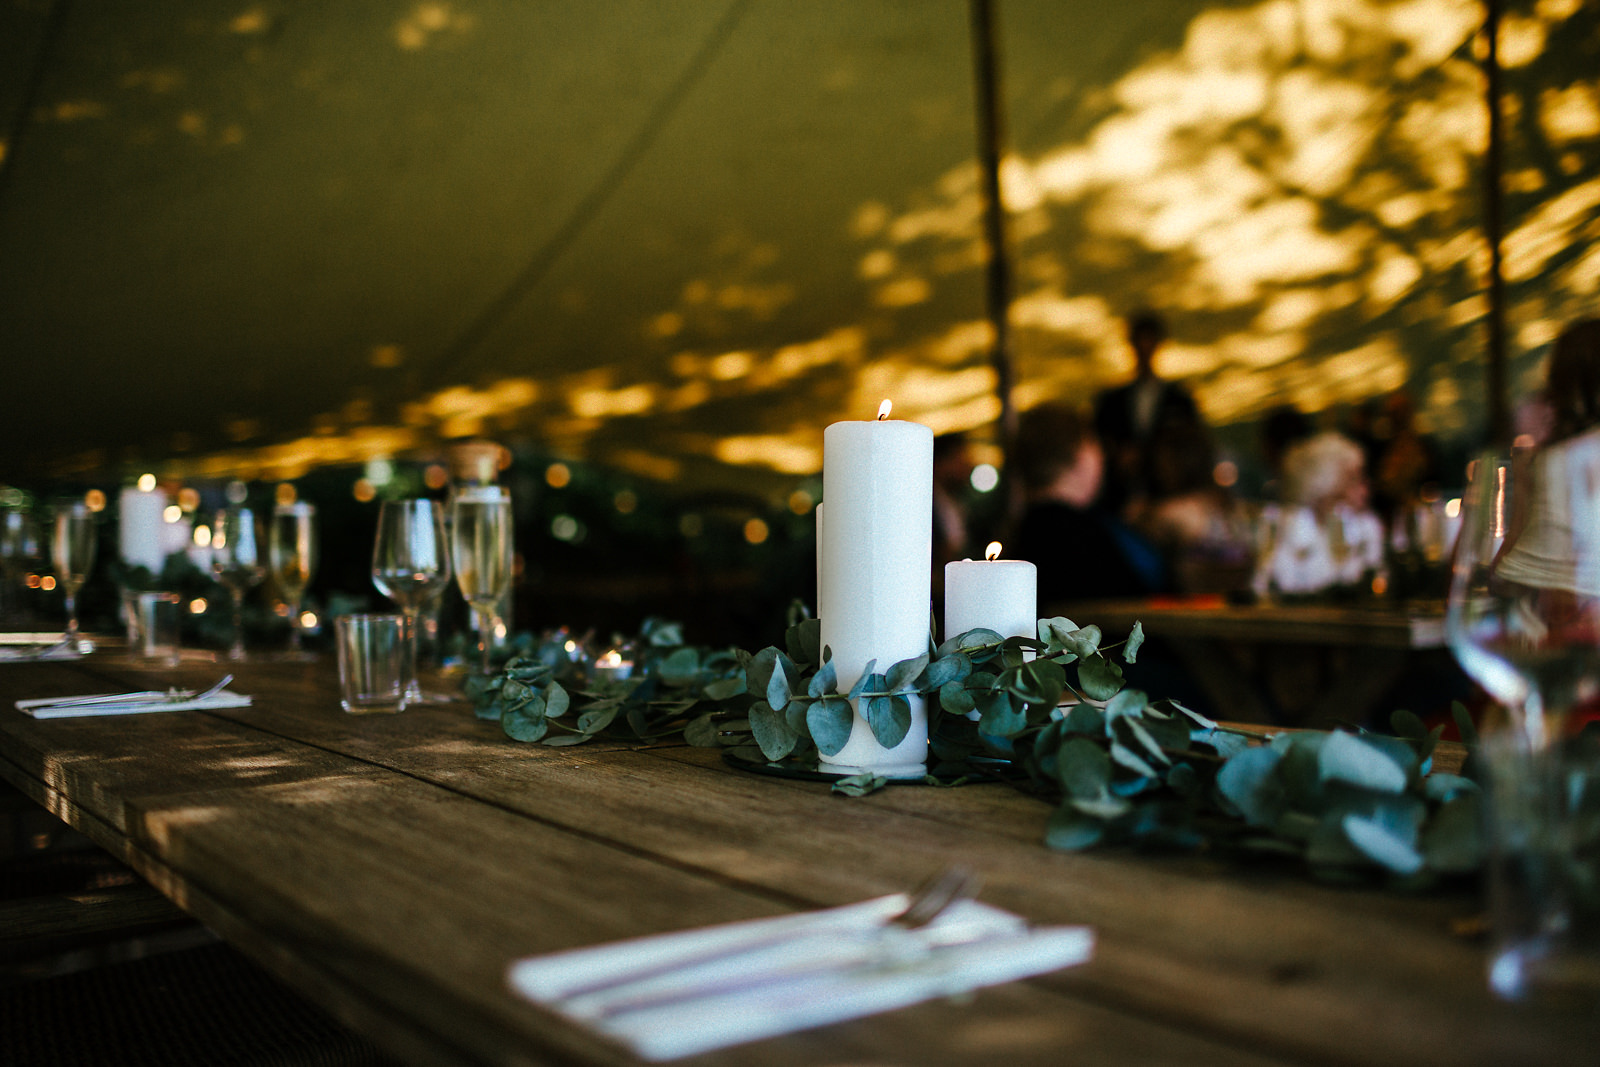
<point>404,900</point>
<point>1342,976</point>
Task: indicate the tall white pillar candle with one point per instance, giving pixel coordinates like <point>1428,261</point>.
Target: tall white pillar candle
<point>820,523</point>
<point>996,594</point>
<point>877,553</point>
<point>141,528</point>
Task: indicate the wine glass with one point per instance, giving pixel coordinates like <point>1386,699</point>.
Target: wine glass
<point>410,564</point>
<point>19,545</point>
<point>292,552</point>
<point>1524,622</point>
<point>480,547</point>
<point>236,562</point>
<point>72,551</point>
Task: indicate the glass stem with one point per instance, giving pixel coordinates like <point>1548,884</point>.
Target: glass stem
<point>72,612</point>
<point>486,636</point>
<point>237,651</point>
<point>294,626</point>
<point>410,614</point>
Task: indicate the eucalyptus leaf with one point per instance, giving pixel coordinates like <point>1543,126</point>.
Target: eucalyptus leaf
<point>1099,677</point>
<point>1135,729</point>
<point>1083,768</point>
<point>1085,641</point>
<point>1055,632</point>
<point>1102,807</point>
<point>725,688</point>
<point>1358,762</point>
<point>904,674</point>
<point>1135,641</point>
<point>1000,715</point>
<point>1071,831</point>
<point>593,720</point>
<point>867,679</point>
<point>1127,702</point>
<point>771,730</point>
<point>1249,782</point>
<point>859,785</point>
<point>1085,719</point>
<point>758,675</point>
<point>1126,757</point>
<point>556,700</point>
<point>1380,843</point>
<point>956,699</point>
<point>1446,787</point>
<point>521,727</point>
<point>825,681</point>
<point>702,732</point>
<point>564,740</point>
<point>795,715</point>
<point>777,689</point>
<point>680,667</point>
<point>889,718</point>
<point>829,722</point>
<point>1197,718</point>
<point>955,667</point>
<point>1406,724</point>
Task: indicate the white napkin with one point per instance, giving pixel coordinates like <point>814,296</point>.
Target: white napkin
<point>31,647</point>
<point>680,994</point>
<point>131,703</point>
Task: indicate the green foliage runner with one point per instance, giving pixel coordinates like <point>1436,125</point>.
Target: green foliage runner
<point>1056,711</point>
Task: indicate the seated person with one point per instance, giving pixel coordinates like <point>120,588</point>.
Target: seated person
<point>1327,533</point>
<point>1196,524</point>
<point>1082,551</point>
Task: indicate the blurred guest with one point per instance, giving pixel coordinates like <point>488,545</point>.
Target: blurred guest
<point>1196,524</point>
<point>1083,552</point>
<point>1328,534</point>
<point>1283,427</point>
<point>1128,417</point>
<point>1401,458</point>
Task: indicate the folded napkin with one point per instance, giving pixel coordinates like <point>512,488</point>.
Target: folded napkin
<point>31,647</point>
<point>132,703</point>
<point>680,994</point>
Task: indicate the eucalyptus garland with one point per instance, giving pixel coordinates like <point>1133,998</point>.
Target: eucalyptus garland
<point>1056,713</point>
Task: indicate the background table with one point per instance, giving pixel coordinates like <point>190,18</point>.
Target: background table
<point>392,867</point>
<point>1315,665</point>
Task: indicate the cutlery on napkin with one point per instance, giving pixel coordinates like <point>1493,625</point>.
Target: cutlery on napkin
<point>217,696</point>
<point>29,647</point>
<point>745,981</point>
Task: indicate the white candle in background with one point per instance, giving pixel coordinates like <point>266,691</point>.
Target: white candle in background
<point>877,552</point>
<point>141,529</point>
<point>993,593</point>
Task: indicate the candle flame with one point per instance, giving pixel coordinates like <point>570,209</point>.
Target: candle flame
<point>612,658</point>
<point>883,410</point>
<point>993,552</point>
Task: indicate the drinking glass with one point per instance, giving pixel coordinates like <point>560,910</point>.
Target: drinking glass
<point>236,562</point>
<point>19,546</point>
<point>480,548</point>
<point>1524,622</point>
<point>410,565</point>
<point>292,552</point>
<point>72,551</point>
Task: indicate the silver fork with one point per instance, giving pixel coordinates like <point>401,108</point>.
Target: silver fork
<point>611,997</point>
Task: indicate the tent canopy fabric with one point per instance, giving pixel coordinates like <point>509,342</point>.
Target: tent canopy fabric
<point>252,239</point>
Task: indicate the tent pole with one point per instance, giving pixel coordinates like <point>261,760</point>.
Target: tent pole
<point>1493,232</point>
<point>997,276</point>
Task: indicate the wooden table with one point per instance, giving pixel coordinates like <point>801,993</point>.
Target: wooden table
<point>1314,665</point>
<point>392,867</point>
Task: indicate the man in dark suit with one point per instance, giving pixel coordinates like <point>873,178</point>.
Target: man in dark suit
<point>1128,418</point>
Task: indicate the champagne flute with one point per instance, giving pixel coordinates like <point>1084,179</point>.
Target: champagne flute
<point>236,563</point>
<point>481,551</point>
<point>292,552</point>
<point>72,551</point>
<point>410,564</point>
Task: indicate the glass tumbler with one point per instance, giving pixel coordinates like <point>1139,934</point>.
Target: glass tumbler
<point>373,663</point>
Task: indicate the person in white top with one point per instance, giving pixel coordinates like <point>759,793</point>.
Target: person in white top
<point>1327,535</point>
